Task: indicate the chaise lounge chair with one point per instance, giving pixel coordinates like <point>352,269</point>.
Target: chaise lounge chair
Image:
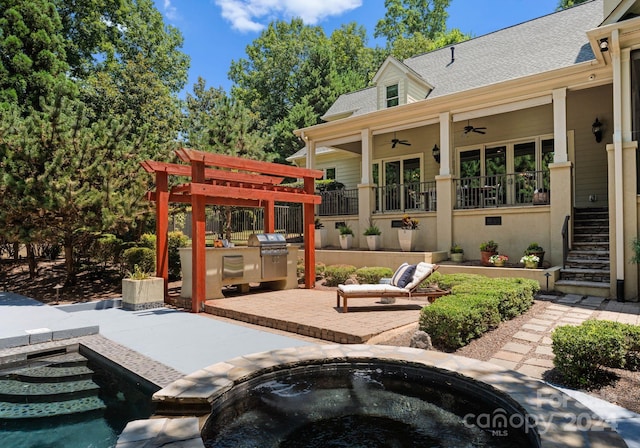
<point>405,283</point>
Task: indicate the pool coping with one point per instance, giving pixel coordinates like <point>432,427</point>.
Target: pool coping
<point>562,421</point>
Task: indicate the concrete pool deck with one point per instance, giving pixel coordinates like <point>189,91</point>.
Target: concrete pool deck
<point>163,345</point>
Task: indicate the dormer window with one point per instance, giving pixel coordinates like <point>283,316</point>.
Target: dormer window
<point>392,95</point>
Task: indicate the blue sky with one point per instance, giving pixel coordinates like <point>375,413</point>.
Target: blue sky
<point>217,32</point>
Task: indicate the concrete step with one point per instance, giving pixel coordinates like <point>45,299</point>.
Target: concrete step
<point>589,254</point>
<point>14,411</point>
<point>587,263</point>
<point>597,289</point>
<point>591,237</point>
<point>586,275</point>
<point>51,374</point>
<point>15,391</point>
<point>590,246</point>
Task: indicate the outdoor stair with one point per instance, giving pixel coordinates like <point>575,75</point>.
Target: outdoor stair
<point>587,268</point>
<point>49,387</point>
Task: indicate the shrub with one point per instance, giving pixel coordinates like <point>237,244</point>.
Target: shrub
<point>369,275</point>
<point>476,305</point>
<point>107,248</point>
<point>147,240</point>
<point>337,274</point>
<point>452,321</point>
<point>143,257</point>
<point>581,352</point>
<point>176,240</point>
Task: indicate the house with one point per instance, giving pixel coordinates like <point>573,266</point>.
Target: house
<point>525,134</point>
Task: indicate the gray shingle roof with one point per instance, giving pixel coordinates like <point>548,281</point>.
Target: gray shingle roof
<point>547,43</point>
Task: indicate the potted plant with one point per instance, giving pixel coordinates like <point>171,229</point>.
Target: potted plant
<point>320,234</point>
<point>374,236</point>
<point>407,233</point>
<point>487,249</point>
<point>346,236</point>
<point>537,250</point>
<point>498,260</point>
<point>141,291</point>
<point>530,261</point>
<point>457,253</point>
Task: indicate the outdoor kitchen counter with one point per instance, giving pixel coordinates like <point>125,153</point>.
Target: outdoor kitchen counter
<point>239,266</point>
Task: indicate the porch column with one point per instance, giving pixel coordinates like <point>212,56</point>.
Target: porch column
<point>444,186</point>
<point>446,148</point>
<point>561,192</point>
<point>560,126</point>
<point>622,176</point>
<point>311,152</point>
<point>365,187</point>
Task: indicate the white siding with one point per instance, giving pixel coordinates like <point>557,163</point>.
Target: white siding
<point>347,167</point>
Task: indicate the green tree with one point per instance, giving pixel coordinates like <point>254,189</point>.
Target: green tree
<point>293,73</point>
<point>564,4</point>
<point>404,18</point>
<point>32,53</point>
<point>407,47</point>
<point>65,177</point>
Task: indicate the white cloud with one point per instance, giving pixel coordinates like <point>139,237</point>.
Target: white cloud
<point>253,15</point>
<point>170,11</point>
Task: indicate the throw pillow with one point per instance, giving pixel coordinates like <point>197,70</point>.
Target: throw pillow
<point>398,274</point>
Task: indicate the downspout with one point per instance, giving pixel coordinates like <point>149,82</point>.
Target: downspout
<point>617,158</point>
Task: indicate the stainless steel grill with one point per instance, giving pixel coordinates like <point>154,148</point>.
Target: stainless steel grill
<point>273,253</point>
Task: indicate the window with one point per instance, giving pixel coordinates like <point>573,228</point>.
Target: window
<point>393,98</point>
<point>330,173</point>
<point>399,181</point>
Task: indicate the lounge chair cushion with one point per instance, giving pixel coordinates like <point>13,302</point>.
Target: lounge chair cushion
<point>403,275</point>
<point>372,289</point>
<point>423,270</point>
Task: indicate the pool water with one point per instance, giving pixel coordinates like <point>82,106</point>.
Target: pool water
<point>347,406</point>
<point>123,400</point>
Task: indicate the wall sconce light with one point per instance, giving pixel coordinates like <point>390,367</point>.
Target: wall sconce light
<point>436,153</point>
<point>604,45</point>
<point>596,128</point>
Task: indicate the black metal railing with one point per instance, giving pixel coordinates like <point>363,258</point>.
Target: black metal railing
<point>413,196</point>
<point>338,202</point>
<point>565,240</point>
<point>502,190</point>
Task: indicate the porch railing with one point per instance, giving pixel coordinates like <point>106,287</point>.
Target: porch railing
<point>338,202</point>
<point>412,196</point>
<point>502,190</point>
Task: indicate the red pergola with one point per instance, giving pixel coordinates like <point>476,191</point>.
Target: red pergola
<point>218,179</point>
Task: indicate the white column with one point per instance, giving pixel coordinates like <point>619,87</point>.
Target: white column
<point>367,156</point>
<point>365,190</point>
<point>311,153</point>
<point>616,62</point>
<point>560,126</point>
<point>445,144</point>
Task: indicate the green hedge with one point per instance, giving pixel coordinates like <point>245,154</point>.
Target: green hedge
<point>476,305</point>
<point>337,274</point>
<point>581,352</point>
<point>372,275</point>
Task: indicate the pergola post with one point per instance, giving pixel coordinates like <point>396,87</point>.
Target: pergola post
<point>269,216</point>
<point>309,236</point>
<point>198,251</point>
<point>162,228</point>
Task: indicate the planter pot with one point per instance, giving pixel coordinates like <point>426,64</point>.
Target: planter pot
<point>457,257</point>
<point>530,265</point>
<point>321,238</point>
<point>484,258</point>
<point>374,242</point>
<point>346,241</point>
<point>142,294</point>
<point>540,255</point>
<point>407,238</point>
<point>499,263</point>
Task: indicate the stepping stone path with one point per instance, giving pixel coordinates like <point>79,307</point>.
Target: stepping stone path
<point>529,351</point>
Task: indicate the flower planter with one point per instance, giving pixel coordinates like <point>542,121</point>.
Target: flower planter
<point>499,263</point>
<point>142,294</point>
<point>346,241</point>
<point>374,242</point>
<point>484,257</point>
<point>540,255</point>
<point>457,257</point>
<point>321,238</point>
<point>406,238</point>
<point>530,264</point>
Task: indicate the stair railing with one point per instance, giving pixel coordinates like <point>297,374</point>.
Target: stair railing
<point>565,240</point>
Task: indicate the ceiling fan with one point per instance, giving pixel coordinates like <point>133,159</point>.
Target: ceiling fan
<point>396,141</point>
<point>468,128</point>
